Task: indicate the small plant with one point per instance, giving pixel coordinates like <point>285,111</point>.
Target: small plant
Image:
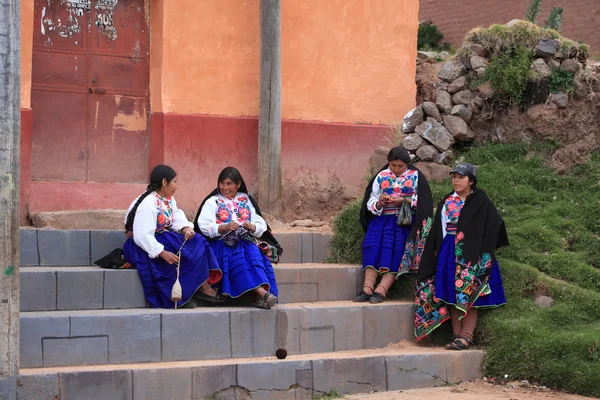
<point>561,80</point>
<point>533,11</point>
<point>430,38</point>
<point>555,18</point>
<point>509,73</point>
<point>333,394</point>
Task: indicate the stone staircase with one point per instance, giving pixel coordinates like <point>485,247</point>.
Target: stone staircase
<point>86,333</point>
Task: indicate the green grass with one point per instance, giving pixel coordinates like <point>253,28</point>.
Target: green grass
<point>333,394</point>
<point>554,229</point>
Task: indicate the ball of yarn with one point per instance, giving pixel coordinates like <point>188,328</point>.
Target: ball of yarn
<point>281,353</point>
<point>176,292</point>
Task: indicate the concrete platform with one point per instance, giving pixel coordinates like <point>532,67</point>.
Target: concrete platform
<point>92,288</point>
<point>298,377</point>
<point>91,337</point>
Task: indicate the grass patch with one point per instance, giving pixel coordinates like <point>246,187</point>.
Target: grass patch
<point>333,394</point>
<point>554,230</point>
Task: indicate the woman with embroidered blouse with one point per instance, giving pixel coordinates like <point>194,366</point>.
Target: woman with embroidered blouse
<point>240,239</point>
<point>158,231</point>
<point>396,216</point>
<point>459,273</point>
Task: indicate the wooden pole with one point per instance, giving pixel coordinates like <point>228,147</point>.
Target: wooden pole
<point>10,128</point>
<point>269,121</point>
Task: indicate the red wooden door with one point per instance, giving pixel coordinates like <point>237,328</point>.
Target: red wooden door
<point>90,91</point>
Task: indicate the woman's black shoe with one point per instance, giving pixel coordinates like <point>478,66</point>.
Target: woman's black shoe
<point>362,297</point>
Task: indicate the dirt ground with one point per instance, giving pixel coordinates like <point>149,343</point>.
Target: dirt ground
<point>478,390</point>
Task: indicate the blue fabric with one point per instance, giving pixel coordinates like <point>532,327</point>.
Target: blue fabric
<point>384,242</point>
<point>197,263</point>
<point>445,276</point>
<point>244,267</point>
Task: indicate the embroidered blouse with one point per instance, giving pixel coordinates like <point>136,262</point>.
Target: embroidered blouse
<point>450,213</point>
<point>405,185</point>
<point>156,214</point>
<point>220,210</point>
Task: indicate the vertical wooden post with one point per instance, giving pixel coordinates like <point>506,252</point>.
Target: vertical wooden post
<point>10,129</point>
<point>269,121</point>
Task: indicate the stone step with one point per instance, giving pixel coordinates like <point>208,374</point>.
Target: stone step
<point>55,338</point>
<point>301,377</point>
<point>49,247</point>
<point>91,288</point>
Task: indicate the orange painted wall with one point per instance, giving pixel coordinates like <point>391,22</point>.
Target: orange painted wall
<point>342,60</point>
<point>26,51</point>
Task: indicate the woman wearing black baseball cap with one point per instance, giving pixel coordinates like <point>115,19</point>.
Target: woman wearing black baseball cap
<point>459,273</point>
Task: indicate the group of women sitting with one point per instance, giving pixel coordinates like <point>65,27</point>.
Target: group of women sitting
<point>229,249</point>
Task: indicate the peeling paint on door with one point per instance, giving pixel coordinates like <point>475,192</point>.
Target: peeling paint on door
<point>105,10</point>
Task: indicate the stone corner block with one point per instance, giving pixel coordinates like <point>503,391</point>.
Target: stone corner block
<point>29,247</point>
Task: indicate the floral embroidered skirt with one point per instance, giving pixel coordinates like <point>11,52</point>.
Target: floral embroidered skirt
<point>198,265</point>
<point>245,268</point>
<point>445,278</point>
<point>383,245</point>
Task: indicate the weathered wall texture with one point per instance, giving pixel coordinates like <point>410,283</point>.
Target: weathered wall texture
<point>455,18</point>
<point>342,61</point>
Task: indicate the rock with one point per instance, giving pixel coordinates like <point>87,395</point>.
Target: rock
<point>547,48</point>
<point>465,60</point>
<point>378,159</point>
<point>478,49</point>
<point>463,97</point>
<point>434,172</point>
<point>571,65</point>
<point>427,153</point>
<point>458,128</point>
<point>553,64</point>
<point>441,85</point>
<point>486,91</point>
<point>593,66</point>
<point>512,23</point>
<point>443,55</point>
<point>478,62</point>
<point>436,134</point>
<point>480,72</point>
<point>431,110</point>
<point>560,99</point>
<point>513,111</point>
<point>412,119</point>
<point>427,56</point>
<point>446,158</point>
<point>544,301</point>
<point>462,112</point>
<point>84,220</point>
<point>443,100</point>
<point>306,223</point>
<point>412,142</point>
<point>457,85</point>
<point>450,71</point>
<point>540,67</point>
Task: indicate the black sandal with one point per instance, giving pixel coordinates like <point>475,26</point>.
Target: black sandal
<point>362,297</point>
<point>266,302</point>
<point>217,299</point>
<point>459,343</point>
<point>449,345</point>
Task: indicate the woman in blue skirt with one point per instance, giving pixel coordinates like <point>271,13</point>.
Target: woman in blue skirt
<point>396,215</point>
<point>240,239</point>
<point>459,273</point>
<point>157,232</point>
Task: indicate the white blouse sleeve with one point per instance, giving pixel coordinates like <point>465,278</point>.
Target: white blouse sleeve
<point>375,193</point>
<point>207,218</point>
<point>180,221</point>
<point>415,196</point>
<point>144,226</point>
<point>261,224</point>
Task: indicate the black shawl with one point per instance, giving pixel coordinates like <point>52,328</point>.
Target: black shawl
<point>480,232</point>
<point>267,236</point>
<point>420,230</point>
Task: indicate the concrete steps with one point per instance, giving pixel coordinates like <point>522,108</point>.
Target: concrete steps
<point>94,288</point>
<point>93,337</point>
<point>298,377</point>
<point>86,333</point>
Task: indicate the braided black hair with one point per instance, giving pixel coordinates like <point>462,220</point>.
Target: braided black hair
<point>399,153</point>
<point>159,173</point>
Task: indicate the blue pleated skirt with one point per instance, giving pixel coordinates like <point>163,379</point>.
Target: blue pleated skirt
<point>445,276</point>
<point>384,242</point>
<point>244,267</point>
<point>198,265</point>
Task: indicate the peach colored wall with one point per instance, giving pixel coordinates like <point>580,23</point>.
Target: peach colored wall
<point>342,60</point>
<point>26,51</point>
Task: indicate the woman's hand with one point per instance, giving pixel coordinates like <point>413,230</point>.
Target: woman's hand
<point>397,201</point>
<point>188,233</point>
<point>169,257</point>
<point>383,199</point>
<point>233,225</point>
<point>250,226</point>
